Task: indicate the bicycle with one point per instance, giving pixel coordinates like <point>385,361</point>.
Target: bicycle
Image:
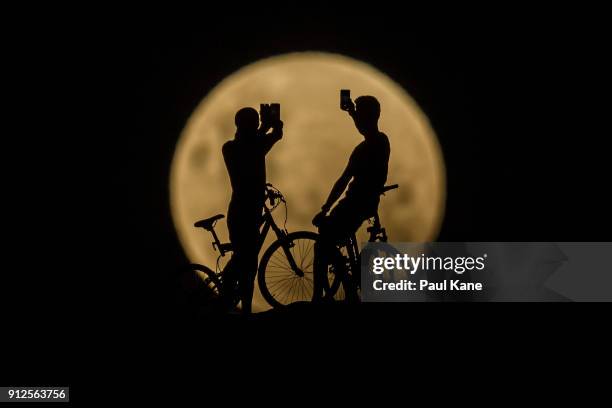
<point>346,263</point>
<point>285,272</point>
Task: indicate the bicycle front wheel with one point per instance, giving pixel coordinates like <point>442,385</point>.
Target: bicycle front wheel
<point>279,283</point>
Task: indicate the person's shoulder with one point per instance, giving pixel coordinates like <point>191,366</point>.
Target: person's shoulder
<point>361,147</point>
<point>383,137</point>
<point>384,140</point>
<point>228,146</point>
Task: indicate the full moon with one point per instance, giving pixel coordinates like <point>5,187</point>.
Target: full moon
<point>318,140</point>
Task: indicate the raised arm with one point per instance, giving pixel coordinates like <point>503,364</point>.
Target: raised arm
<point>338,188</point>
<point>269,139</point>
<point>334,195</point>
<point>346,176</point>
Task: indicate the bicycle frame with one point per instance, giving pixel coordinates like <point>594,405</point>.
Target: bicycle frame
<point>377,233</point>
<point>268,224</point>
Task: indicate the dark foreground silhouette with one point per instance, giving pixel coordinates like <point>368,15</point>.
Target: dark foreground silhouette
<point>245,159</point>
<point>300,266</point>
<point>366,172</point>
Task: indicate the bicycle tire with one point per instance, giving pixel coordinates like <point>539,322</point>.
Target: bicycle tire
<point>210,278</point>
<point>270,275</point>
<point>387,250</point>
<point>332,290</point>
<point>339,293</point>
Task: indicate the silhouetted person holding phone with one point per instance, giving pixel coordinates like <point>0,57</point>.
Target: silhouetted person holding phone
<point>367,173</point>
<point>245,159</point>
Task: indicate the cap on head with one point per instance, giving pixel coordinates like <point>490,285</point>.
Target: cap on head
<point>247,119</point>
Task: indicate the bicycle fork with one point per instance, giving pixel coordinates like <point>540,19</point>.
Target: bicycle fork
<point>286,245</point>
<point>287,249</point>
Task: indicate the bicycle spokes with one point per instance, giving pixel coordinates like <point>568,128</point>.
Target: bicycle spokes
<point>289,272</point>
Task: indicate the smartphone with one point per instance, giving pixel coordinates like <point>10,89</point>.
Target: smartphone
<point>264,112</point>
<point>274,112</point>
<point>345,99</point>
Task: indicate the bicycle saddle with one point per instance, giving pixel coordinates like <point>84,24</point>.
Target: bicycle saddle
<point>207,224</point>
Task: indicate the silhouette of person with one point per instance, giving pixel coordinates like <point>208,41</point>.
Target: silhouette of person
<point>245,159</point>
<point>367,173</point>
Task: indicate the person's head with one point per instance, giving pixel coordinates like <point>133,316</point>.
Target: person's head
<point>247,120</point>
<point>367,112</point>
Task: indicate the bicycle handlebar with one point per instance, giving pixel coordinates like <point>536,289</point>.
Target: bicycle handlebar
<point>273,193</point>
<point>389,188</point>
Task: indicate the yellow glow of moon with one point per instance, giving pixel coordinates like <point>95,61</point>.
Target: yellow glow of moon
<point>318,139</point>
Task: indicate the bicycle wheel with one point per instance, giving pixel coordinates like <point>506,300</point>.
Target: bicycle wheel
<point>389,275</point>
<point>209,277</point>
<point>337,269</point>
<point>279,284</point>
<point>383,249</point>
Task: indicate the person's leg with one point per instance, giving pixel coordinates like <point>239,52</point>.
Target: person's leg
<point>235,266</point>
<point>230,281</point>
<point>243,227</point>
<point>322,249</point>
<point>332,229</point>
<point>247,285</point>
<point>346,218</point>
<point>250,252</point>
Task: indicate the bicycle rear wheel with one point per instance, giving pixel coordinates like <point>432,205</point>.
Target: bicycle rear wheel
<point>382,249</point>
<point>217,292</point>
<point>338,268</point>
<point>278,282</point>
<point>208,277</point>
